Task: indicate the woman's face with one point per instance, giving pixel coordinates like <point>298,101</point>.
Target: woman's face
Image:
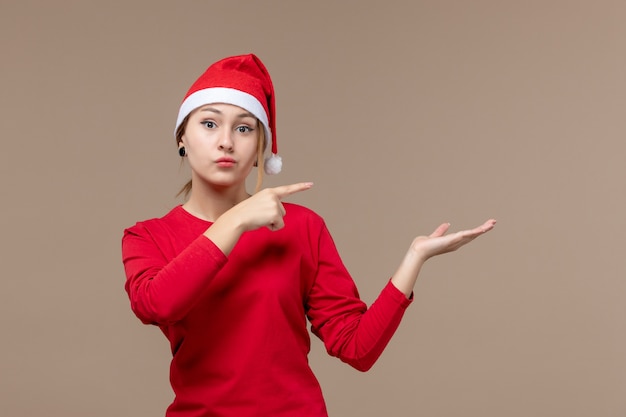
<point>221,144</point>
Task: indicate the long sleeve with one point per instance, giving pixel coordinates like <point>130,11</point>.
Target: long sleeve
<point>350,331</point>
<point>163,289</point>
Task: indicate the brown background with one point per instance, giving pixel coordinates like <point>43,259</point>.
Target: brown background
<point>405,115</point>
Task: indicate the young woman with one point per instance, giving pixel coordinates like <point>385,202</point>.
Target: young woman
<point>231,278</point>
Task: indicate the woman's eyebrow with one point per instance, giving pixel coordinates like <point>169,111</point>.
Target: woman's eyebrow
<point>211,109</point>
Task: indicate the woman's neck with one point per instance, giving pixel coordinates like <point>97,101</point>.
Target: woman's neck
<point>209,202</point>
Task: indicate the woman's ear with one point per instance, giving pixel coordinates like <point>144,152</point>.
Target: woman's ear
<point>181,147</point>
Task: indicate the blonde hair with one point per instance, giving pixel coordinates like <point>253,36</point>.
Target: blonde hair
<point>260,158</point>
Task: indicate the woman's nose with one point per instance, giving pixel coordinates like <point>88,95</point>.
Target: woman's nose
<point>226,142</point>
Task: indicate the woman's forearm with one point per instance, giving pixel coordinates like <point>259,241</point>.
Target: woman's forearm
<point>405,277</point>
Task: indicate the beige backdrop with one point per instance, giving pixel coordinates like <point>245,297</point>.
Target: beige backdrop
<point>405,115</point>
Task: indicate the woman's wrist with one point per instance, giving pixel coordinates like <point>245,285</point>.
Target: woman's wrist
<point>406,275</point>
<point>226,231</point>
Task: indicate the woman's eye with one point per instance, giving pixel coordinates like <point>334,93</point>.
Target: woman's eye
<point>244,129</point>
<point>209,124</point>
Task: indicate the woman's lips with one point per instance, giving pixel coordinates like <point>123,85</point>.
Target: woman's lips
<point>225,162</point>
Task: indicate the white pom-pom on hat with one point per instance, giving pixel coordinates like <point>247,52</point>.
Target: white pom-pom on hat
<point>273,164</point>
<point>242,81</point>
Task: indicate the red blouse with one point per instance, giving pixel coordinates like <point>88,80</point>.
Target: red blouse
<point>237,325</point>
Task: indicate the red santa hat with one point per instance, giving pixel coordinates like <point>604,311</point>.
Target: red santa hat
<point>242,81</point>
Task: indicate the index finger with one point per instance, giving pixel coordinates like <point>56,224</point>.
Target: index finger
<point>286,190</point>
<point>484,228</point>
